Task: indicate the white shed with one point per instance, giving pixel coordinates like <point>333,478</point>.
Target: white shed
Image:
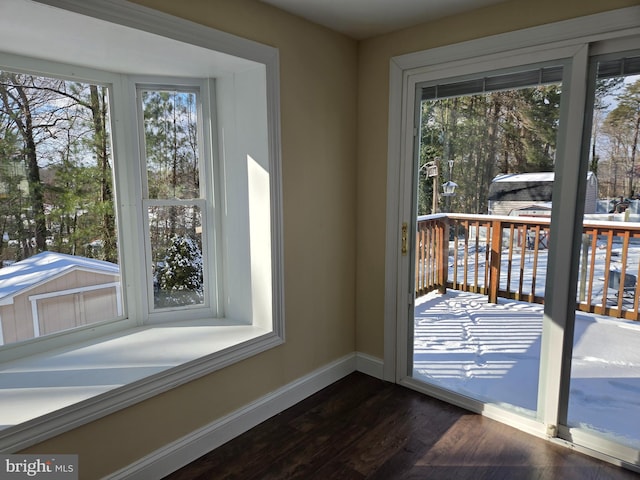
<point>51,291</point>
<point>518,192</point>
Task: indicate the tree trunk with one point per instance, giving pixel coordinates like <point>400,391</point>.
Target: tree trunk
<point>634,151</point>
<point>36,190</point>
<point>99,113</point>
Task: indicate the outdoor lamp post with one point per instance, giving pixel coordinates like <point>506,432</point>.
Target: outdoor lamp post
<point>449,189</point>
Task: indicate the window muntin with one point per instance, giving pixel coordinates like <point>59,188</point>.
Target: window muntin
<point>60,250</point>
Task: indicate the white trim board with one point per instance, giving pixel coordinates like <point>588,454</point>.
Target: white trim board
<point>192,446</point>
<point>590,28</point>
<point>184,353</point>
<point>369,365</point>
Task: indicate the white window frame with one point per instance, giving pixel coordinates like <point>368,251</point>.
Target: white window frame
<point>571,42</point>
<point>203,90</point>
<point>32,66</point>
<point>244,137</point>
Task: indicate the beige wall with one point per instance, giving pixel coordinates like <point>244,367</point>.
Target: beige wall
<point>318,110</point>
<point>373,103</point>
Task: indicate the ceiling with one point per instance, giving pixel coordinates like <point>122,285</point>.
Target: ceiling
<point>362,19</point>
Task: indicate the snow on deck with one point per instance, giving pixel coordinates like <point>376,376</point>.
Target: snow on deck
<point>491,352</point>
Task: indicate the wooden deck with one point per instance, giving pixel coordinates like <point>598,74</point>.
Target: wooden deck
<point>361,427</point>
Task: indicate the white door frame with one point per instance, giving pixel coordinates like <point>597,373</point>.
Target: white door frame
<point>562,40</point>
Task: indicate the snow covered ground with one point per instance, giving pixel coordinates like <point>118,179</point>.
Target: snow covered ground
<point>491,353</point>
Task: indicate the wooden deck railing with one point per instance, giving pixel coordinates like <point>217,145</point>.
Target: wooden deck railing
<point>432,244</point>
<point>507,257</point>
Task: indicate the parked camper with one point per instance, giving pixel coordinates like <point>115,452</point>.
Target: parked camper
<point>530,194</point>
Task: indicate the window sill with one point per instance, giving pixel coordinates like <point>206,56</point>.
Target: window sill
<point>50,393</point>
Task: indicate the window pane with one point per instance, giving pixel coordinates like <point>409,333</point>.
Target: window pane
<point>171,142</point>
<point>496,145</point>
<point>176,249</point>
<point>59,247</point>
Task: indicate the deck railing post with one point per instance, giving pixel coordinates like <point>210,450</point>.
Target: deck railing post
<point>582,289</point>
<point>496,249</point>
<point>443,256</point>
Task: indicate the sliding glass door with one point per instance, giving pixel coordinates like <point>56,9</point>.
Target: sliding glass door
<point>486,151</point>
<point>524,241</point>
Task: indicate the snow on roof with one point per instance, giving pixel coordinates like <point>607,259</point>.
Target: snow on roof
<point>525,177</point>
<point>536,206</point>
<point>31,271</point>
<point>531,177</point>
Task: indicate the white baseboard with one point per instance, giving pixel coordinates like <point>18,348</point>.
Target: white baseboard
<point>372,366</point>
<point>190,447</point>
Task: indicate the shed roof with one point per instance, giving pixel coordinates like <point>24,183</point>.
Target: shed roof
<point>525,177</point>
<point>531,177</point>
<point>43,266</point>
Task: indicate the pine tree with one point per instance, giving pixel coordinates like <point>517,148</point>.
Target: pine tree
<point>181,271</point>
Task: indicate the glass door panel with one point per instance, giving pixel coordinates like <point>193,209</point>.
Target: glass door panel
<point>604,395</point>
<point>485,169</point>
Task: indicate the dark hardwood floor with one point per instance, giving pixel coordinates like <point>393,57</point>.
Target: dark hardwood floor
<point>361,427</point>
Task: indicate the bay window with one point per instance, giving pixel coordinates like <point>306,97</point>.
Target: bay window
<point>142,242</point>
